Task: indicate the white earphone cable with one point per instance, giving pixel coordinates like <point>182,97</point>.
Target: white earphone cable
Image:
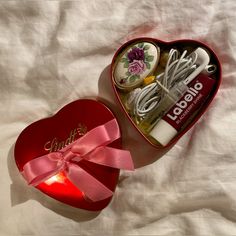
<point>177,69</point>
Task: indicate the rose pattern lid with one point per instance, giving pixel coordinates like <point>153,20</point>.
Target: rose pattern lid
<point>136,63</point>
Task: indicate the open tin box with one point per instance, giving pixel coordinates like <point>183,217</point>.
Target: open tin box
<point>140,62</point>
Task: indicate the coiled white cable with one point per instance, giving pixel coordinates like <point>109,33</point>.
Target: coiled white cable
<point>177,69</point>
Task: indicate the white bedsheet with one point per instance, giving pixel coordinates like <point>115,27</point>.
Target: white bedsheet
<point>53,52</point>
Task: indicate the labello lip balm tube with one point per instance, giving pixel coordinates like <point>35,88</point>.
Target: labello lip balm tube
<point>169,125</point>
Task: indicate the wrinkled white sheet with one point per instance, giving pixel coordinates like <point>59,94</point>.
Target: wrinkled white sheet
<point>53,52</point>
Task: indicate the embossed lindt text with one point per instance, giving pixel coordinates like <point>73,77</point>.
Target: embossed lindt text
<point>55,144</point>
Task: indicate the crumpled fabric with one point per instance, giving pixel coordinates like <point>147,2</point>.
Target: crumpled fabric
<point>54,52</point>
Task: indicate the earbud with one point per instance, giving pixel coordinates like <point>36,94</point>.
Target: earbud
<point>202,61</point>
<point>210,69</point>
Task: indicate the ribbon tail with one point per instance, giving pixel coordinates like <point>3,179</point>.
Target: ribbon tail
<point>40,169</point>
<point>112,157</point>
<point>88,184</point>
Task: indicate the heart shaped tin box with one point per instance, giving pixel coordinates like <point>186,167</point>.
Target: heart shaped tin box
<point>164,87</point>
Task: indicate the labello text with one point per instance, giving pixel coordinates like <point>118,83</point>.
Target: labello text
<point>185,101</point>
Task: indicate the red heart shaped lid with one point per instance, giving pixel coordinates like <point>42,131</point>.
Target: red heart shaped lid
<point>52,134</point>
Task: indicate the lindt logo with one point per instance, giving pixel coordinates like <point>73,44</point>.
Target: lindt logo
<point>180,106</point>
<point>56,145</point>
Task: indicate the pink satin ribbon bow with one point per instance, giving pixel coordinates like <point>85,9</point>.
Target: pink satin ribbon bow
<point>91,147</point>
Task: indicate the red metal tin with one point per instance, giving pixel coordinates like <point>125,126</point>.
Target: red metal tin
<point>52,133</point>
